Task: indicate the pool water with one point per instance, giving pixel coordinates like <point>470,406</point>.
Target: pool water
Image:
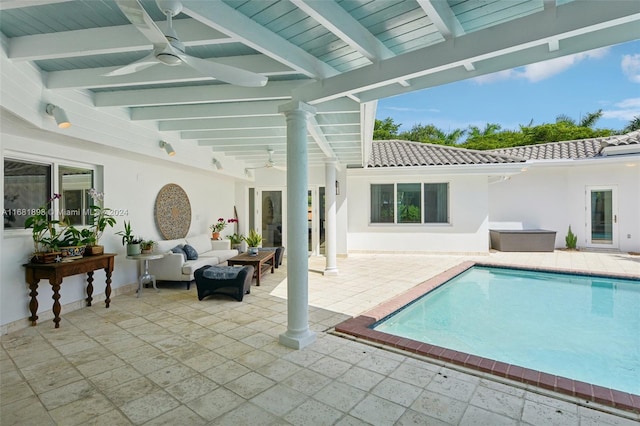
<point>581,327</point>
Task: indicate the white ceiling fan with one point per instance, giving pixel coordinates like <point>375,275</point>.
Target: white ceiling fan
<point>270,164</point>
<point>169,50</point>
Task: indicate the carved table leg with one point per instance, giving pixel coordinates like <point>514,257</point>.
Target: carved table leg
<point>56,301</point>
<point>107,291</point>
<point>33,303</point>
<point>89,287</point>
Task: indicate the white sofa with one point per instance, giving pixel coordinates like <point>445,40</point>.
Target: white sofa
<point>174,267</point>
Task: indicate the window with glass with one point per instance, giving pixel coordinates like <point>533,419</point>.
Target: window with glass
<point>28,185</point>
<point>410,203</point>
<point>382,210</point>
<point>436,203</point>
<point>408,196</point>
<point>75,182</point>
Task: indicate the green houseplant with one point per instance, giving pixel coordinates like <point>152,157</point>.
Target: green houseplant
<point>102,217</point>
<point>129,240</point>
<point>571,239</point>
<point>47,234</point>
<point>146,246</point>
<point>253,239</point>
<point>235,240</point>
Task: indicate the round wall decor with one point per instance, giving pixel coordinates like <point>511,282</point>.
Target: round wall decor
<point>173,212</point>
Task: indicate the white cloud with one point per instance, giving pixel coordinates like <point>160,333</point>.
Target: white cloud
<point>624,110</point>
<point>631,67</point>
<point>629,103</point>
<point>543,70</point>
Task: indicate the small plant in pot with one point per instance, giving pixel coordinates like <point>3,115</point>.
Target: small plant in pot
<point>73,243</point>
<point>45,233</point>
<point>146,246</point>
<point>102,217</point>
<point>236,241</point>
<point>129,240</point>
<point>253,240</point>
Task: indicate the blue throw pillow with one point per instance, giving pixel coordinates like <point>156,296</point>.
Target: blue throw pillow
<point>179,249</point>
<point>192,254</point>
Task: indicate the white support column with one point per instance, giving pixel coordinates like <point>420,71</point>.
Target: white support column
<point>298,334</point>
<point>330,236</point>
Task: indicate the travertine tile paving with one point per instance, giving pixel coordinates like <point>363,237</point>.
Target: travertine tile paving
<point>168,359</point>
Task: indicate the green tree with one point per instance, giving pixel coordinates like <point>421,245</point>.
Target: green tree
<point>489,130</point>
<point>560,131</point>
<point>385,129</point>
<point>588,120</point>
<point>633,125</point>
<point>431,134</point>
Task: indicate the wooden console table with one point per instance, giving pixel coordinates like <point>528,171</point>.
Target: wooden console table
<point>55,272</point>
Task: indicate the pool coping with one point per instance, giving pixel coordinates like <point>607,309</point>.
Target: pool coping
<point>359,327</point>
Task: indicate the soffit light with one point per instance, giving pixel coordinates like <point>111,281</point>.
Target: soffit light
<point>168,148</point>
<point>59,115</point>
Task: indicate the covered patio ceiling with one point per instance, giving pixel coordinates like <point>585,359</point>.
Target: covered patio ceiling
<point>339,56</point>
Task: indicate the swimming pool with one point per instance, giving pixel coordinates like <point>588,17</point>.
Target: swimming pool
<point>576,334</point>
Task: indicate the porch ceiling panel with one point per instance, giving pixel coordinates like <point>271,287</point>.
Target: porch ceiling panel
<point>333,54</point>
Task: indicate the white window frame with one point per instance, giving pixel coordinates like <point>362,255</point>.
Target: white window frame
<point>55,164</point>
<point>422,204</point>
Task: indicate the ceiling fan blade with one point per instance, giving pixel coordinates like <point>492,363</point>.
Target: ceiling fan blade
<point>232,75</point>
<point>136,66</point>
<point>281,168</point>
<point>139,17</point>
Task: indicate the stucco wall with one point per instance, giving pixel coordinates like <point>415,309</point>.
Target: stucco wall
<point>553,197</point>
<point>467,231</point>
<point>131,182</point>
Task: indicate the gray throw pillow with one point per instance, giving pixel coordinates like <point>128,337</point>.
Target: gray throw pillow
<point>179,249</point>
<point>192,254</point>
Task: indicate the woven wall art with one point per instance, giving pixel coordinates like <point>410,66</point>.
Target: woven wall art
<point>173,212</point>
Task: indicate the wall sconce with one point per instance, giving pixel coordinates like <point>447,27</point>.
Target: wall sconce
<point>217,163</point>
<point>168,148</point>
<point>337,188</point>
<point>59,115</point>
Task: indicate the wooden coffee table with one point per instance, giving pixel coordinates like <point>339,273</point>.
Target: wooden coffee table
<point>261,262</point>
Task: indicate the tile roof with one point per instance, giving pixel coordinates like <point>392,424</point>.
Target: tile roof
<point>400,153</point>
<point>570,150</point>
<point>397,153</point>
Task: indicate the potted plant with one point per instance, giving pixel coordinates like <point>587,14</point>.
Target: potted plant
<point>253,240</point>
<point>146,246</point>
<point>45,233</point>
<point>102,217</point>
<point>217,227</point>
<point>236,241</point>
<point>128,239</point>
<point>72,243</point>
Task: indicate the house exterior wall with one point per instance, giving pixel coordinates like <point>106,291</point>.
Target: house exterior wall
<point>466,232</point>
<point>131,183</point>
<point>553,197</point>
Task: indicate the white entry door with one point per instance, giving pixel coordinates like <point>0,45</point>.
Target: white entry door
<point>602,217</point>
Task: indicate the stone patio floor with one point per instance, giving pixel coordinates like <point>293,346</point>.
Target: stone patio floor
<point>168,359</point>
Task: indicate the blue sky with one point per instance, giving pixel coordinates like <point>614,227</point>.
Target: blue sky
<point>607,79</point>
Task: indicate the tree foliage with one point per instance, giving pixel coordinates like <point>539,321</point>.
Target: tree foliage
<point>431,134</point>
<point>492,136</point>
<point>385,129</point>
<point>633,125</point>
